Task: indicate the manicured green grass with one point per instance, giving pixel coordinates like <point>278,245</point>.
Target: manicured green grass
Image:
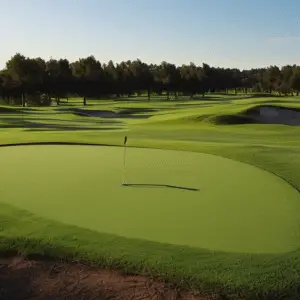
<point>178,198</point>
<point>176,125</point>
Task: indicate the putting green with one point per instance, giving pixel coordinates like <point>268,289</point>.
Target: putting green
<point>237,208</point>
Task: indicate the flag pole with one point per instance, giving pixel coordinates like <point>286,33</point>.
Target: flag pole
<point>124,160</point>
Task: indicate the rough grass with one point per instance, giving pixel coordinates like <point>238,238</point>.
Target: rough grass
<point>274,148</point>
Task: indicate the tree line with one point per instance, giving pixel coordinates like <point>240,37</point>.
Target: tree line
<point>25,78</point>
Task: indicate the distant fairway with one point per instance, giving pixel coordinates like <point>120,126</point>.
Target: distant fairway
<point>238,207</point>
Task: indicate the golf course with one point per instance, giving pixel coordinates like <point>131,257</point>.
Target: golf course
<point>204,195</point>
<point>150,150</point>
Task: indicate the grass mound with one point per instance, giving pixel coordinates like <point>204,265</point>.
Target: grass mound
<point>231,120</point>
<point>222,119</point>
<point>258,114</point>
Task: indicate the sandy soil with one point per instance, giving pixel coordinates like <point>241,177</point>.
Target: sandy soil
<point>45,279</point>
<point>276,115</point>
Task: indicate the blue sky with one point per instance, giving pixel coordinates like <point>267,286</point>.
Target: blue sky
<point>226,33</point>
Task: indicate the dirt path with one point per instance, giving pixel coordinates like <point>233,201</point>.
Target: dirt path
<point>43,279</point>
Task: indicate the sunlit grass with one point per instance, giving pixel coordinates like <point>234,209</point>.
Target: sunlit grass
<point>176,125</point>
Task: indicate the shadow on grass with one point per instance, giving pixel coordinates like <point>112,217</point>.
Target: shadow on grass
<point>211,98</point>
<point>107,114</point>
<point>47,127</point>
<point>100,122</point>
<point>270,102</point>
<point>17,110</point>
<point>149,185</point>
<point>37,126</point>
<point>17,119</point>
<point>134,110</point>
<point>197,105</point>
<point>71,129</point>
<point>208,98</point>
<point>94,102</point>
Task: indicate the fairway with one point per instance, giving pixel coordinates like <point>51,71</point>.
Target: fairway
<point>175,197</point>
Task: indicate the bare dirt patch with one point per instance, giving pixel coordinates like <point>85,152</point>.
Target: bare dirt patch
<point>45,279</point>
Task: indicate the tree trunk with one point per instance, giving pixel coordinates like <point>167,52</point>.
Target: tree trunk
<point>6,99</point>
<point>23,100</point>
<point>168,95</point>
<point>84,100</point>
<point>149,94</point>
<point>176,95</point>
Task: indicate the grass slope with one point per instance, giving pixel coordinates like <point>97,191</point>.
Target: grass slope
<point>270,147</point>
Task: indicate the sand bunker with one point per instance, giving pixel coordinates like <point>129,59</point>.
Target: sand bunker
<point>275,115</point>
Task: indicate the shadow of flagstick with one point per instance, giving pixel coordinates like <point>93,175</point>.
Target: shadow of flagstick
<point>149,185</point>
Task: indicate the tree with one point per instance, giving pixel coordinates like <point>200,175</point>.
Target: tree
<point>295,79</point>
<point>192,79</point>
<point>110,78</point>
<point>141,77</point>
<point>272,79</point>
<point>87,73</point>
<point>87,77</point>
<point>286,83</point>
<point>59,78</point>
<point>24,76</point>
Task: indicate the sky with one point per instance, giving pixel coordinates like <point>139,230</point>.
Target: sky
<point>222,33</point>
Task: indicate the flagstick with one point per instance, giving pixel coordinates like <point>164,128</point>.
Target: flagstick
<point>124,166</point>
<point>124,160</point>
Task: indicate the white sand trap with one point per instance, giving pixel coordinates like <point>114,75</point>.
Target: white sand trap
<point>276,115</point>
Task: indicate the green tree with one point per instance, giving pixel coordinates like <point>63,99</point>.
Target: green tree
<point>286,80</point>
<point>272,79</point>
<point>59,78</point>
<point>295,79</point>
